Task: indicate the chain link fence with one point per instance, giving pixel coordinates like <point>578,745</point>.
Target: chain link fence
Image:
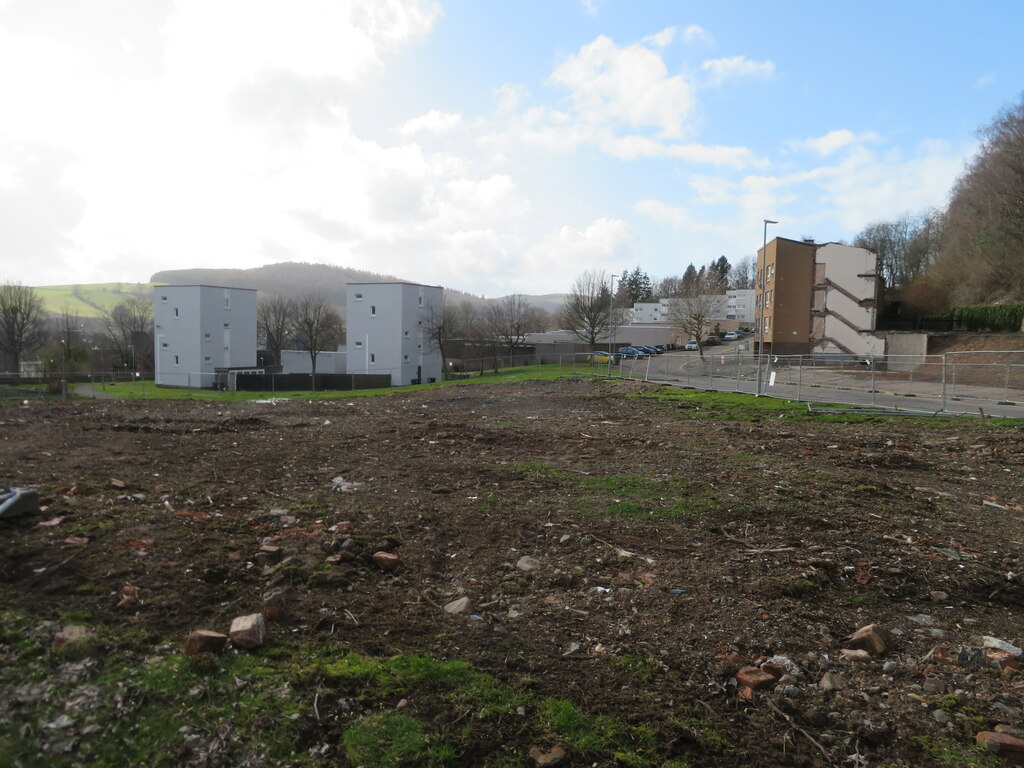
<point>960,382</point>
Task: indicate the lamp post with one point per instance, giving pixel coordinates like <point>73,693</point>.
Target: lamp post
<point>760,286</point>
<point>611,315</point>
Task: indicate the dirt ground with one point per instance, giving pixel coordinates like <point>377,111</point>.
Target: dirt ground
<point>669,550</point>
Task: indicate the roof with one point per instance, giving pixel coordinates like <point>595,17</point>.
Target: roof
<point>202,285</point>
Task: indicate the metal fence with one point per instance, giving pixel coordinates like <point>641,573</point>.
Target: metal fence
<point>960,382</point>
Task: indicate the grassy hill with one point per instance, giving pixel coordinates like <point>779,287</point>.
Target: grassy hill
<point>287,279</point>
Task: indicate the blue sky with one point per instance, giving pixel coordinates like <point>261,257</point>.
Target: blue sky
<point>493,147</point>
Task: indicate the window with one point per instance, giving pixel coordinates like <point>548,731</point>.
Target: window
<point>175,311</point>
<point>359,344</point>
<point>421,301</point>
<point>373,310</point>
<point>206,336</point>
<point>406,333</point>
<point>359,297</point>
<point>373,358</point>
<point>163,299</point>
<point>227,325</point>
<point>207,358</point>
<point>163,345</point>
<point>405,357</point>
<point>175,359</point>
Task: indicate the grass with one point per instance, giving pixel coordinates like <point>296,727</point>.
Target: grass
<point>150,705</point>
<point>89,300</point>
<point>626,496</point>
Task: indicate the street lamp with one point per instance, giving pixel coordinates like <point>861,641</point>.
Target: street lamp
<point>611,315</point>
<point>759,286</point>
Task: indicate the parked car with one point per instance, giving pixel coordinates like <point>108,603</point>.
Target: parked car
<point>632,353</point>
<point>691,345</point>
<point>731,336</point>
<point>602,357</point>
<point>712,341</point>
<point>650,350</point>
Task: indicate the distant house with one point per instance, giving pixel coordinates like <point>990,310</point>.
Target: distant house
<point>388,331</point>
<point>201,330</point>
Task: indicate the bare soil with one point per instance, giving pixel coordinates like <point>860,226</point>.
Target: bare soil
<point>695,544</point>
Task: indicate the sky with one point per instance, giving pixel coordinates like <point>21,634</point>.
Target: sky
<point>490,146</point>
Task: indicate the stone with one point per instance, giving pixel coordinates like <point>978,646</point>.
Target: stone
<point>854,654</point>
<point>922,618</point>
<point>1001,645</point>
<point>889,667</point>
<point>1008,747</point>
<point>830,681</point>
<point>941,716</point>
<point>787,664</point>
<point>274,604</point>
<point>248,631</point>
<point>565,539</point>
<point>386,561</point>
<point>551,757</point>
<point>938,596</point>
<point>72,633</point>
<point>1002,659</point>
<point>205,641</point>
<point>754,678</point>
<point>527,563</point>
<point>871,638</point>
<point>268,554</point>
<point>934,686</point>
<point>460,606</point>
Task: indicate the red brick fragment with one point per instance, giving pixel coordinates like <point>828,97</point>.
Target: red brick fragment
<point>247,631</point>
<point>386,561</point>
<point>871,638</point>
<point>1009,748</point>
<point>754,678</point>
<point>205,641</point>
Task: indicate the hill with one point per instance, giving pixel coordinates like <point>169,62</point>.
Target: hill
<point>286,278</point>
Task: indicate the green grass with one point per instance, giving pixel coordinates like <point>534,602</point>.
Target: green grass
<point>625,496</point>
<point>388,740</point>
<point>89,300</point>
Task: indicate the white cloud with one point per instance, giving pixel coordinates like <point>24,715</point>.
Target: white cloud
<point>433,121</point>
<point>661,39</point>
<point>737,67</point>
<point>625,85</point>
<point>985,80</point>
<point>663,212</point>
<point>697,34</point>
<point>832,141</point>
<point>604,244</point>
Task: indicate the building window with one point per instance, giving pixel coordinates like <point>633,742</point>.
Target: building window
<point>175,311</point>
<point>206,336</point>
<point>163,345</point>
<point>405,357</point>
<point>419,346</point>
<point>373,358</point>
<point>175,359</point>
<point>227,325</point>
<point>406,333</point>
<point>207,358</point>
<point>359,297</point>
<point>421,301</point>
<point>359,343</point>
<point>373,310</point>
<point>163,299</point>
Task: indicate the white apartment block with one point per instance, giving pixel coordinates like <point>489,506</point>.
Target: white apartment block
<point>387,331</point>
<point>739,305</point>
<point>845,299</point>
<point>733,305</point>
<point>199,329</point>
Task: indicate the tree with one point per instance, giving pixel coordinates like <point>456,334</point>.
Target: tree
<point>982,235</point>
<point>634,287</point>
<point>275,323</point>
<point>690,311</point>
<point>318,327</point>
<point>128,329</point>
<point>509,320</point>
<point>721,268</point>
<point>668,287</point>
<point>741,274</point>
<point>22,322</point>
<point>70,335</point>
<point>901,248</point>
<point>688,281</point>
<point>587,310</point>
<point>441,327</point>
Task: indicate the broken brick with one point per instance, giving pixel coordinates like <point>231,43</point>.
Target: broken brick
<point>386,561</point>
<point>1009,748</point>
<point>754,678</point>
<point>871,638</point>
<point>274,604</point>
<point>247,631</point>
<point>72,633</point>
<point>205,641</point>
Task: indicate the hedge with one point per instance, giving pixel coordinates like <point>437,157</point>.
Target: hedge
<point>985,317</point>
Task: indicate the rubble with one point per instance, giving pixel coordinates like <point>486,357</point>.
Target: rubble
<point>205,641</point>
<point>247,631</point>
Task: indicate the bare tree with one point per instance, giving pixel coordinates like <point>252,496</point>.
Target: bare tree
<point>275,322</point>
<point>690,310</point>
<point>22,322</point>
<point>318,327</point>
<point>741,274</point>
<point>509,320</point>
<point>587,310</point>
<point>128,329</point>
<point>70,335</point>
<point>442,326</point>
